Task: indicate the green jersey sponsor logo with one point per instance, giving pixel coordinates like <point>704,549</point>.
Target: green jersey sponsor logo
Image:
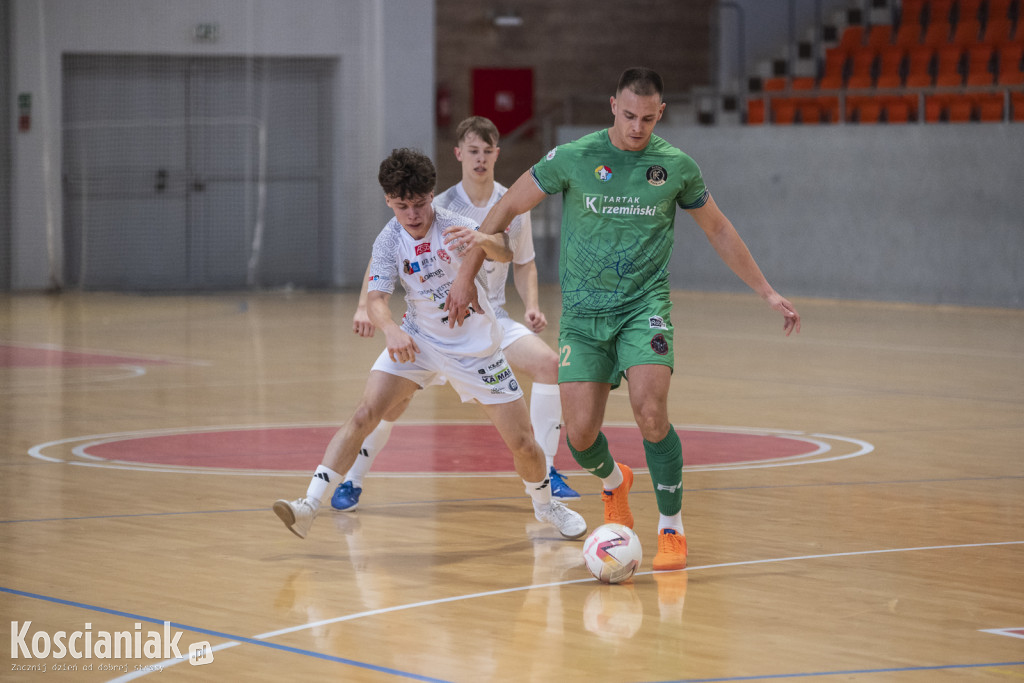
<point>611,205</point>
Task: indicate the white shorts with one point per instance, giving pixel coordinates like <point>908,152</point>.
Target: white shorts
<point>512,331</point>
<point>487,379</point>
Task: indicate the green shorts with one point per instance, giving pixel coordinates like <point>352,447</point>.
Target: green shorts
<point>602,348</point>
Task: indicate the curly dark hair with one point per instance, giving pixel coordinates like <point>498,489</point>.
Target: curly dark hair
<point>407,173</point>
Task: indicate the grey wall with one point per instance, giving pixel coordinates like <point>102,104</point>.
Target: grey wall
<point>383,95</point>
<point>928,214</point>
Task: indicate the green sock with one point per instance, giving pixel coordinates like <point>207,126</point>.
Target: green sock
<point>665,461</point>
<point>597,459</point>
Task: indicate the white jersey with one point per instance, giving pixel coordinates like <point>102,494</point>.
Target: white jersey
<point>520,237</point>
<point>427,270</point>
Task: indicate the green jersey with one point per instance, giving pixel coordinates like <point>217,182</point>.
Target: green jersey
<point>618,215</point>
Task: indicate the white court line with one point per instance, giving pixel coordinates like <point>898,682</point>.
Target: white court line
<point>88,441</point>
<point>556,584</point>
<point>1011,632</point>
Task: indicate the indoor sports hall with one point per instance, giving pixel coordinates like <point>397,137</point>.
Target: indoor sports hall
<point>188,199</point>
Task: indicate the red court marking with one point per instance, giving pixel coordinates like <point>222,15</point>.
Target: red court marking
<point>13,356</point>
<point>419,448</point>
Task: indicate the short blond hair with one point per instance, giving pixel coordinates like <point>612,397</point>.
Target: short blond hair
<point>483,127</point>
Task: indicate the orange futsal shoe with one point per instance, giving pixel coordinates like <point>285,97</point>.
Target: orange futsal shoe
<point>616,502</point>
<point>671,551</point>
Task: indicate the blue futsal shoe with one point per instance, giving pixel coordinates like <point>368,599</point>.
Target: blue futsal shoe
<point>346,496</point>
<point>559,489</point>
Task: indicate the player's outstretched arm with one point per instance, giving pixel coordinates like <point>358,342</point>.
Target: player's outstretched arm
<point>525,277</point>
<point>361,323</point>
<point>734,252</point>
<point>465,239</point>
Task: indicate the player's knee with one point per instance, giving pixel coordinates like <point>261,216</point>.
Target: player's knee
<point>653,424</point>
<point>366,417</point>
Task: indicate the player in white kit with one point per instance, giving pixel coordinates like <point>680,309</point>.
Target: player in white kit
<point>422,247</point>
<point>473,197</point>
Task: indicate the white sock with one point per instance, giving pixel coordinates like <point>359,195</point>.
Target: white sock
<point>372,445</point>
<point>671,522</point>
<point>546,418</point>
<point>539,491</point>
<point>613,480</point>
<point>324,479</point>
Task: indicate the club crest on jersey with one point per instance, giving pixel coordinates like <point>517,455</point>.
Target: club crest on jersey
<point>603,173</point>
<point>659,345</point>
<point>424,248</point>
<point>657,175</point>
<point>443,255</point>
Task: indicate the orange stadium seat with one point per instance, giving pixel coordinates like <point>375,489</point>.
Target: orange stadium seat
<point>911,12</point>
<point>947,66</point>
<point>919,65</point>
<point>937,33</point>
<point>835,68</point>
<point>1017,106</point>
<point>900,108</point>
<point>960,108</point>
<point>809,111</point>
<point>1011,68</point>
<point>783,111</point>
<point>890,67</point>
<point>1000,9</point>
<point>862,69</point>
<point>979,65</point>
<point>940,10</point>
<point>935,108</point>
<point>989,106</point>
<point>969,10</point>
<point>853,37</point>
<point>998,31</point>
<point>909,33</point>
<point>879,35</point>
<point>755,112</point>
<point>802,83</point>
<point>967,32</point>
<point>829,108</point>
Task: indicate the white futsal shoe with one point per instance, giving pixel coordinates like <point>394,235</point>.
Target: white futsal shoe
<point>568,522</point>
<point>297,515</point>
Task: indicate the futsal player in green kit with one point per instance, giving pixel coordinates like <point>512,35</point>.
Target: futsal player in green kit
<point>620,188</point>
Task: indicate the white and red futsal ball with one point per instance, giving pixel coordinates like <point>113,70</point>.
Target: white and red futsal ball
<point>612,553</point>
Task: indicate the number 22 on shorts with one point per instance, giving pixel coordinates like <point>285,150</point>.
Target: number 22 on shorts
<point>563,356</point>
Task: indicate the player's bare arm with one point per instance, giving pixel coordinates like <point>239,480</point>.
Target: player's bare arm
<point>525,277</point>
<point>734,253</point>
<point>401,347</point>
<point>520,198</point>
<point>495,247</point>
<point>361,323</point>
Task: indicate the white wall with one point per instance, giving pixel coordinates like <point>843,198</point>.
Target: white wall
<point>383,96</point>
<point>916,213</point>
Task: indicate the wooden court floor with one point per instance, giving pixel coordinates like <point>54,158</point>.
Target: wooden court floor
<point>145,438</point>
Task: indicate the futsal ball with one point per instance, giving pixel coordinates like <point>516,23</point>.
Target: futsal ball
<point>612,553</point>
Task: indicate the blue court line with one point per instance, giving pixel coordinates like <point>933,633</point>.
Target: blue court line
<point>849,672</point>
<point>218,634</point>
<point>958,480</point>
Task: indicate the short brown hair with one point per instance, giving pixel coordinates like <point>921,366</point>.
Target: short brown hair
<point>407,173</point>
<point>482,126</point>
<point>642,81</point>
